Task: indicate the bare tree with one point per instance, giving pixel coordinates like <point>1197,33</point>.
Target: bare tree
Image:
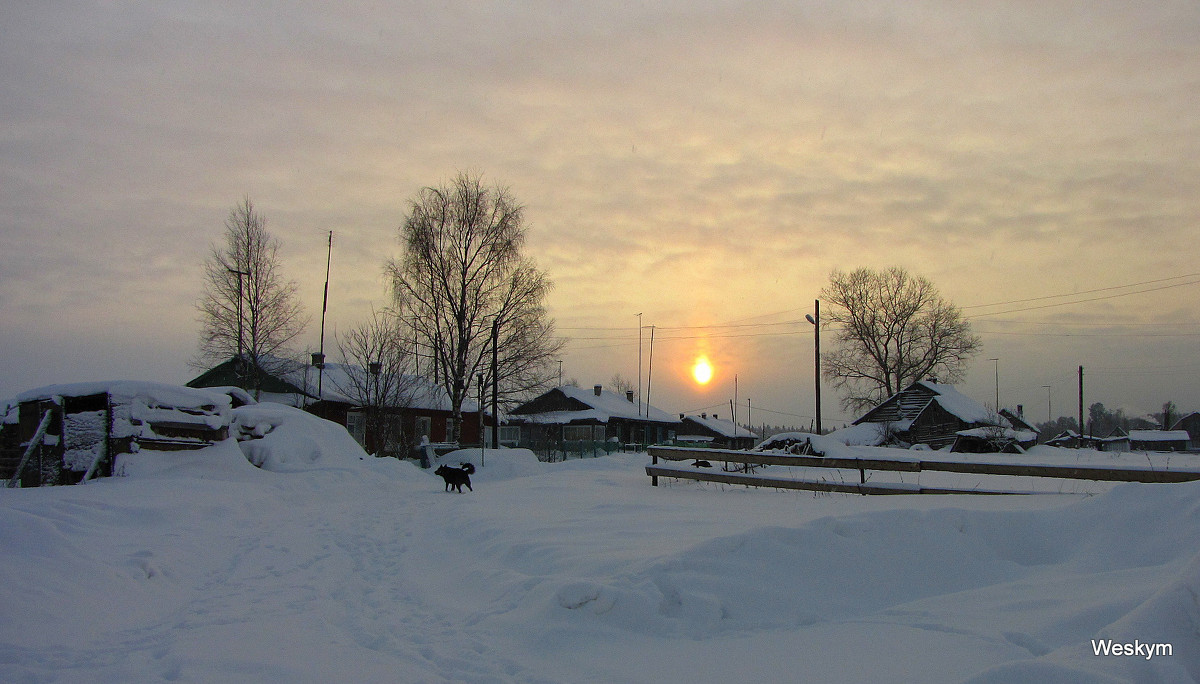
<point>621,385</point>
<point>248,311</point>
<point>462,273</point>
<point>894,329</point>
<point>377,376</point>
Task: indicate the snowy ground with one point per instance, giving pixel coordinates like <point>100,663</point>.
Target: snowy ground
<point>199,567</point>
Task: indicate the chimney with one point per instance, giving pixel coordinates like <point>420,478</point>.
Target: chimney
<point>597,389</point>
<point>704,416</point>
<point>682,416</point>
<point>1020,411</point>
<point>629,395</point>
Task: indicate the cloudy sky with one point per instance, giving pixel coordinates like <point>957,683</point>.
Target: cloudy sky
<point>705,164</point>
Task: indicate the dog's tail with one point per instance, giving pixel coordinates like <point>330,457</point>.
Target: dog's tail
<point>468,468</point>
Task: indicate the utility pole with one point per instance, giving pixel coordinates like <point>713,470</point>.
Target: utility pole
<point>639,317</point>
<point>997,405</point>
<point>320,357</point>
<point>1081,407</point>
<point>650,371</point>
<point>482,432</point>
<point>496,383</point>
<point>1049,410</point>
<point>240,367</point>
<point>816,321</point>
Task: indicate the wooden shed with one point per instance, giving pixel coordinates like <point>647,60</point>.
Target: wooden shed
<point>76,431</point>
<point>934,414</point>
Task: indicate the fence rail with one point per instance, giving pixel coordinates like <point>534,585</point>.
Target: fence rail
<point>862,465</point>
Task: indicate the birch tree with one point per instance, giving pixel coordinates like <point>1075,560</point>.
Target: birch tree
<point>248,311</point>
<point>463,272</point>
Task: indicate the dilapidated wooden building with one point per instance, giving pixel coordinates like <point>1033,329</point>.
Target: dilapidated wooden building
<point>69,433</point>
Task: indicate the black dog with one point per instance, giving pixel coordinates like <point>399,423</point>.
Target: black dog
<point>456,477</point>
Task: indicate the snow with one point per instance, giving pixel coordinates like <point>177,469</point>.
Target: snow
<point>333,566</point>
<point>1158,435</point>
<point>612,405</point>
<point>284,438</point>
<point>721,426</point>
<point>959,404</point>
<point>127,391</point>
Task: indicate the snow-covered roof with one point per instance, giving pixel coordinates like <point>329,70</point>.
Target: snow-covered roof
<point>601,408</point>
<point>615,405</point>
<point>1158,436</point>
<point>337,384</point>
<point>958,404</point>
<point>725,428</point>
<point>123,391</point>
<point>1007,433</point>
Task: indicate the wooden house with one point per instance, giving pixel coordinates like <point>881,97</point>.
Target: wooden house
<point>1069,439</point>
<point>420,411</point>
<point>1158,440</point>
<point>567,415</point>
<point>934,414</point>
<point>712,431</point>
<point>88,425</point>
<point>1191,425</point>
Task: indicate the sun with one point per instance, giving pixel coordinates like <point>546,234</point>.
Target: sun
<point>702,370</point>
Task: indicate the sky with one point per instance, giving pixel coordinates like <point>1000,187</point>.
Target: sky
<point>703,164</point>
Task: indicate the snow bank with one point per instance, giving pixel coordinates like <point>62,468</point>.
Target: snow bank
<point>578,571</point>
<point>221,461</point>
<point>283,438</point>
<point>494,464</point>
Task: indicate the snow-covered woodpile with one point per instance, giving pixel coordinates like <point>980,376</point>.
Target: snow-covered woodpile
<point>93,422</point>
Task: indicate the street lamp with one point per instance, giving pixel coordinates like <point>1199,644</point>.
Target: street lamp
<point>816,321</point>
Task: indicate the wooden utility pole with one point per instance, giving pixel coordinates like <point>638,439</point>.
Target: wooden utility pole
<point>496,383</point>
<point>1081,406</point>
<point>816,321</point>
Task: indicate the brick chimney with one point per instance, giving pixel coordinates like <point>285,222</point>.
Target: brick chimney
<point>597,389</point>
<point>629,395</point>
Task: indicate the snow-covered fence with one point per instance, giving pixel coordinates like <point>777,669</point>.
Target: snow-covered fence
<point>1107,473</point>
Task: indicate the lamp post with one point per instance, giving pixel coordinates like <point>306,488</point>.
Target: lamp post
<point>816,321</point>
<point>376,419</point>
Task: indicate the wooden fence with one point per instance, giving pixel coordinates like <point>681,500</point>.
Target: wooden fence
<point>862,465</point>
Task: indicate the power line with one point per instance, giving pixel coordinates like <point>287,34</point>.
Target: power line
<point>1082,301</point>
<point>1075,294</point>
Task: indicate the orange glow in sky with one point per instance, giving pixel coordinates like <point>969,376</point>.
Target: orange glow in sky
<point>702,370</point>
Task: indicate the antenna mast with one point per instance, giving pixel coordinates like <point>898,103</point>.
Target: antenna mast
<point>324,307</point>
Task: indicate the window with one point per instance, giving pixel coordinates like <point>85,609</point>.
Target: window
<point>510,435</point>
<point>356,425</point>
<point>577,433</point>
<point>424,426</point>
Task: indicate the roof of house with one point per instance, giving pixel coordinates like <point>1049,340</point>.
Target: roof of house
<point>601,407</point>
<point>290,382</point>
<point>720,426</point>
<point>339,380</point>
<point>1158,436</point>
<point>914,399</point>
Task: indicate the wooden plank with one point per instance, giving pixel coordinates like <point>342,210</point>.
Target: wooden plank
<point>808,485</point>
<point>1071,472</point>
